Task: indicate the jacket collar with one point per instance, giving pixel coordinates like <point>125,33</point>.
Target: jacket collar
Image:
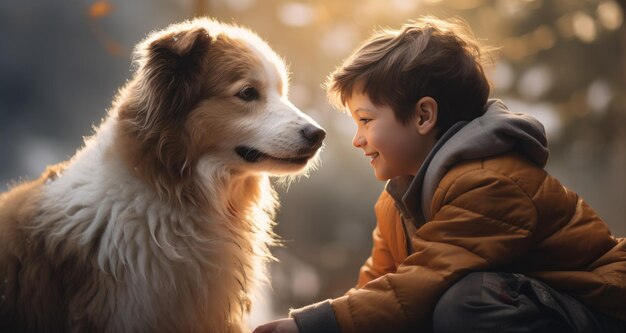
<point>406,190</point>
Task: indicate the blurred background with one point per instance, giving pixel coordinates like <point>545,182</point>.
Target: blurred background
<point>562,61</point>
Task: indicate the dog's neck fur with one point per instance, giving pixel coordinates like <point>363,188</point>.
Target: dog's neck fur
<point>158,253</point>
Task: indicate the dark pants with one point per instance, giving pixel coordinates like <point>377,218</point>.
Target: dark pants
<point>504,302</point>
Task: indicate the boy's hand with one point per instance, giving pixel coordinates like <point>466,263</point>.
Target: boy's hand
<point>287,325</point>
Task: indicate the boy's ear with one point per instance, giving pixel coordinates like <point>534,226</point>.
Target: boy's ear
<point>426,111</point>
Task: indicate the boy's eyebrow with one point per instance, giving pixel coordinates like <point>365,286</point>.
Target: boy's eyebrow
<point>362,109</point>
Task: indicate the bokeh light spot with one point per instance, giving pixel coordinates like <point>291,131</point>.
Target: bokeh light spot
<point>535,82</point>
<point>584,27</point>
<point>296,14</point>
<point>599,96</point>
<point>610,15</point>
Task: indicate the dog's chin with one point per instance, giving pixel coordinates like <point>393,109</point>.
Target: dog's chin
<point>291,161</point>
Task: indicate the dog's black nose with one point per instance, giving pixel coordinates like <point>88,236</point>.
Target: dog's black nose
<point>313,135</point>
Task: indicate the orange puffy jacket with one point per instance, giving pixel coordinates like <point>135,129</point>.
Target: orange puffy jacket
<point>539,228</point>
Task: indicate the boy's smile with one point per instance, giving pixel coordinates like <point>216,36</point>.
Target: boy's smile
<point>394,149</point>
<point>373,157</point>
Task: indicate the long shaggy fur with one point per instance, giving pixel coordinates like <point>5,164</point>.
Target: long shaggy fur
<point>162,221</point>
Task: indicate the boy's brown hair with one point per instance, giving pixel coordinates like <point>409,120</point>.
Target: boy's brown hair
<point>428,57</point>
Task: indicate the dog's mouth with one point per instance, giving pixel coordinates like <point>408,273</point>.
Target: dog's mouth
<point>254,155</point>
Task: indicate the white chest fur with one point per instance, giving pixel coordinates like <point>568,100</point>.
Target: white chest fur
<point>157,266</point>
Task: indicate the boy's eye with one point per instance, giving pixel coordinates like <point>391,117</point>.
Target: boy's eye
<point>365,120</point>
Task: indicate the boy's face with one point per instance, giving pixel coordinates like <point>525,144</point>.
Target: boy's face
<point>394,149</point>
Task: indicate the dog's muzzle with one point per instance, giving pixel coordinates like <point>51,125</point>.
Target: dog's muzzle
<point>313,138</point>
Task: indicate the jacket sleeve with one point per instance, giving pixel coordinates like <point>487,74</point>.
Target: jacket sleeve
<point>381,260</point>
<point>482,219</point>
<point>379,263</point>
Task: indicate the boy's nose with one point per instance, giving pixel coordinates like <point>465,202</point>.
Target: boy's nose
<point>358,141</point>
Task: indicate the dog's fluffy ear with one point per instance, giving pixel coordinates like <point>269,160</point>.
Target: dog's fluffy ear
<point>171,66</point>
<point>183,43</point>
<point>171,72</point>
<point>172,69</point>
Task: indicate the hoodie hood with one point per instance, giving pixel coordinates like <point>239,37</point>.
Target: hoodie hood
<point>496,132</point>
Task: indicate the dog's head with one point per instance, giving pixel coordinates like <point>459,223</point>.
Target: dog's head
<point>209,90</point>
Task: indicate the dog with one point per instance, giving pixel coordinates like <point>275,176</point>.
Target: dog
<point>162,221</point>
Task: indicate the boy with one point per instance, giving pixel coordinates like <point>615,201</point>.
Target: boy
<point>472,234</point>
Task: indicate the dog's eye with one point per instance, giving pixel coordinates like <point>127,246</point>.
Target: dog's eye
<point>248,94</point>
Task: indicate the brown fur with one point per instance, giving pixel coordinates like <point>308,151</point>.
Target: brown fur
<point>32,276</point>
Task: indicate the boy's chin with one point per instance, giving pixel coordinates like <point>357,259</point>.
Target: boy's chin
<point>385,176</point>
<point>382,176</point>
